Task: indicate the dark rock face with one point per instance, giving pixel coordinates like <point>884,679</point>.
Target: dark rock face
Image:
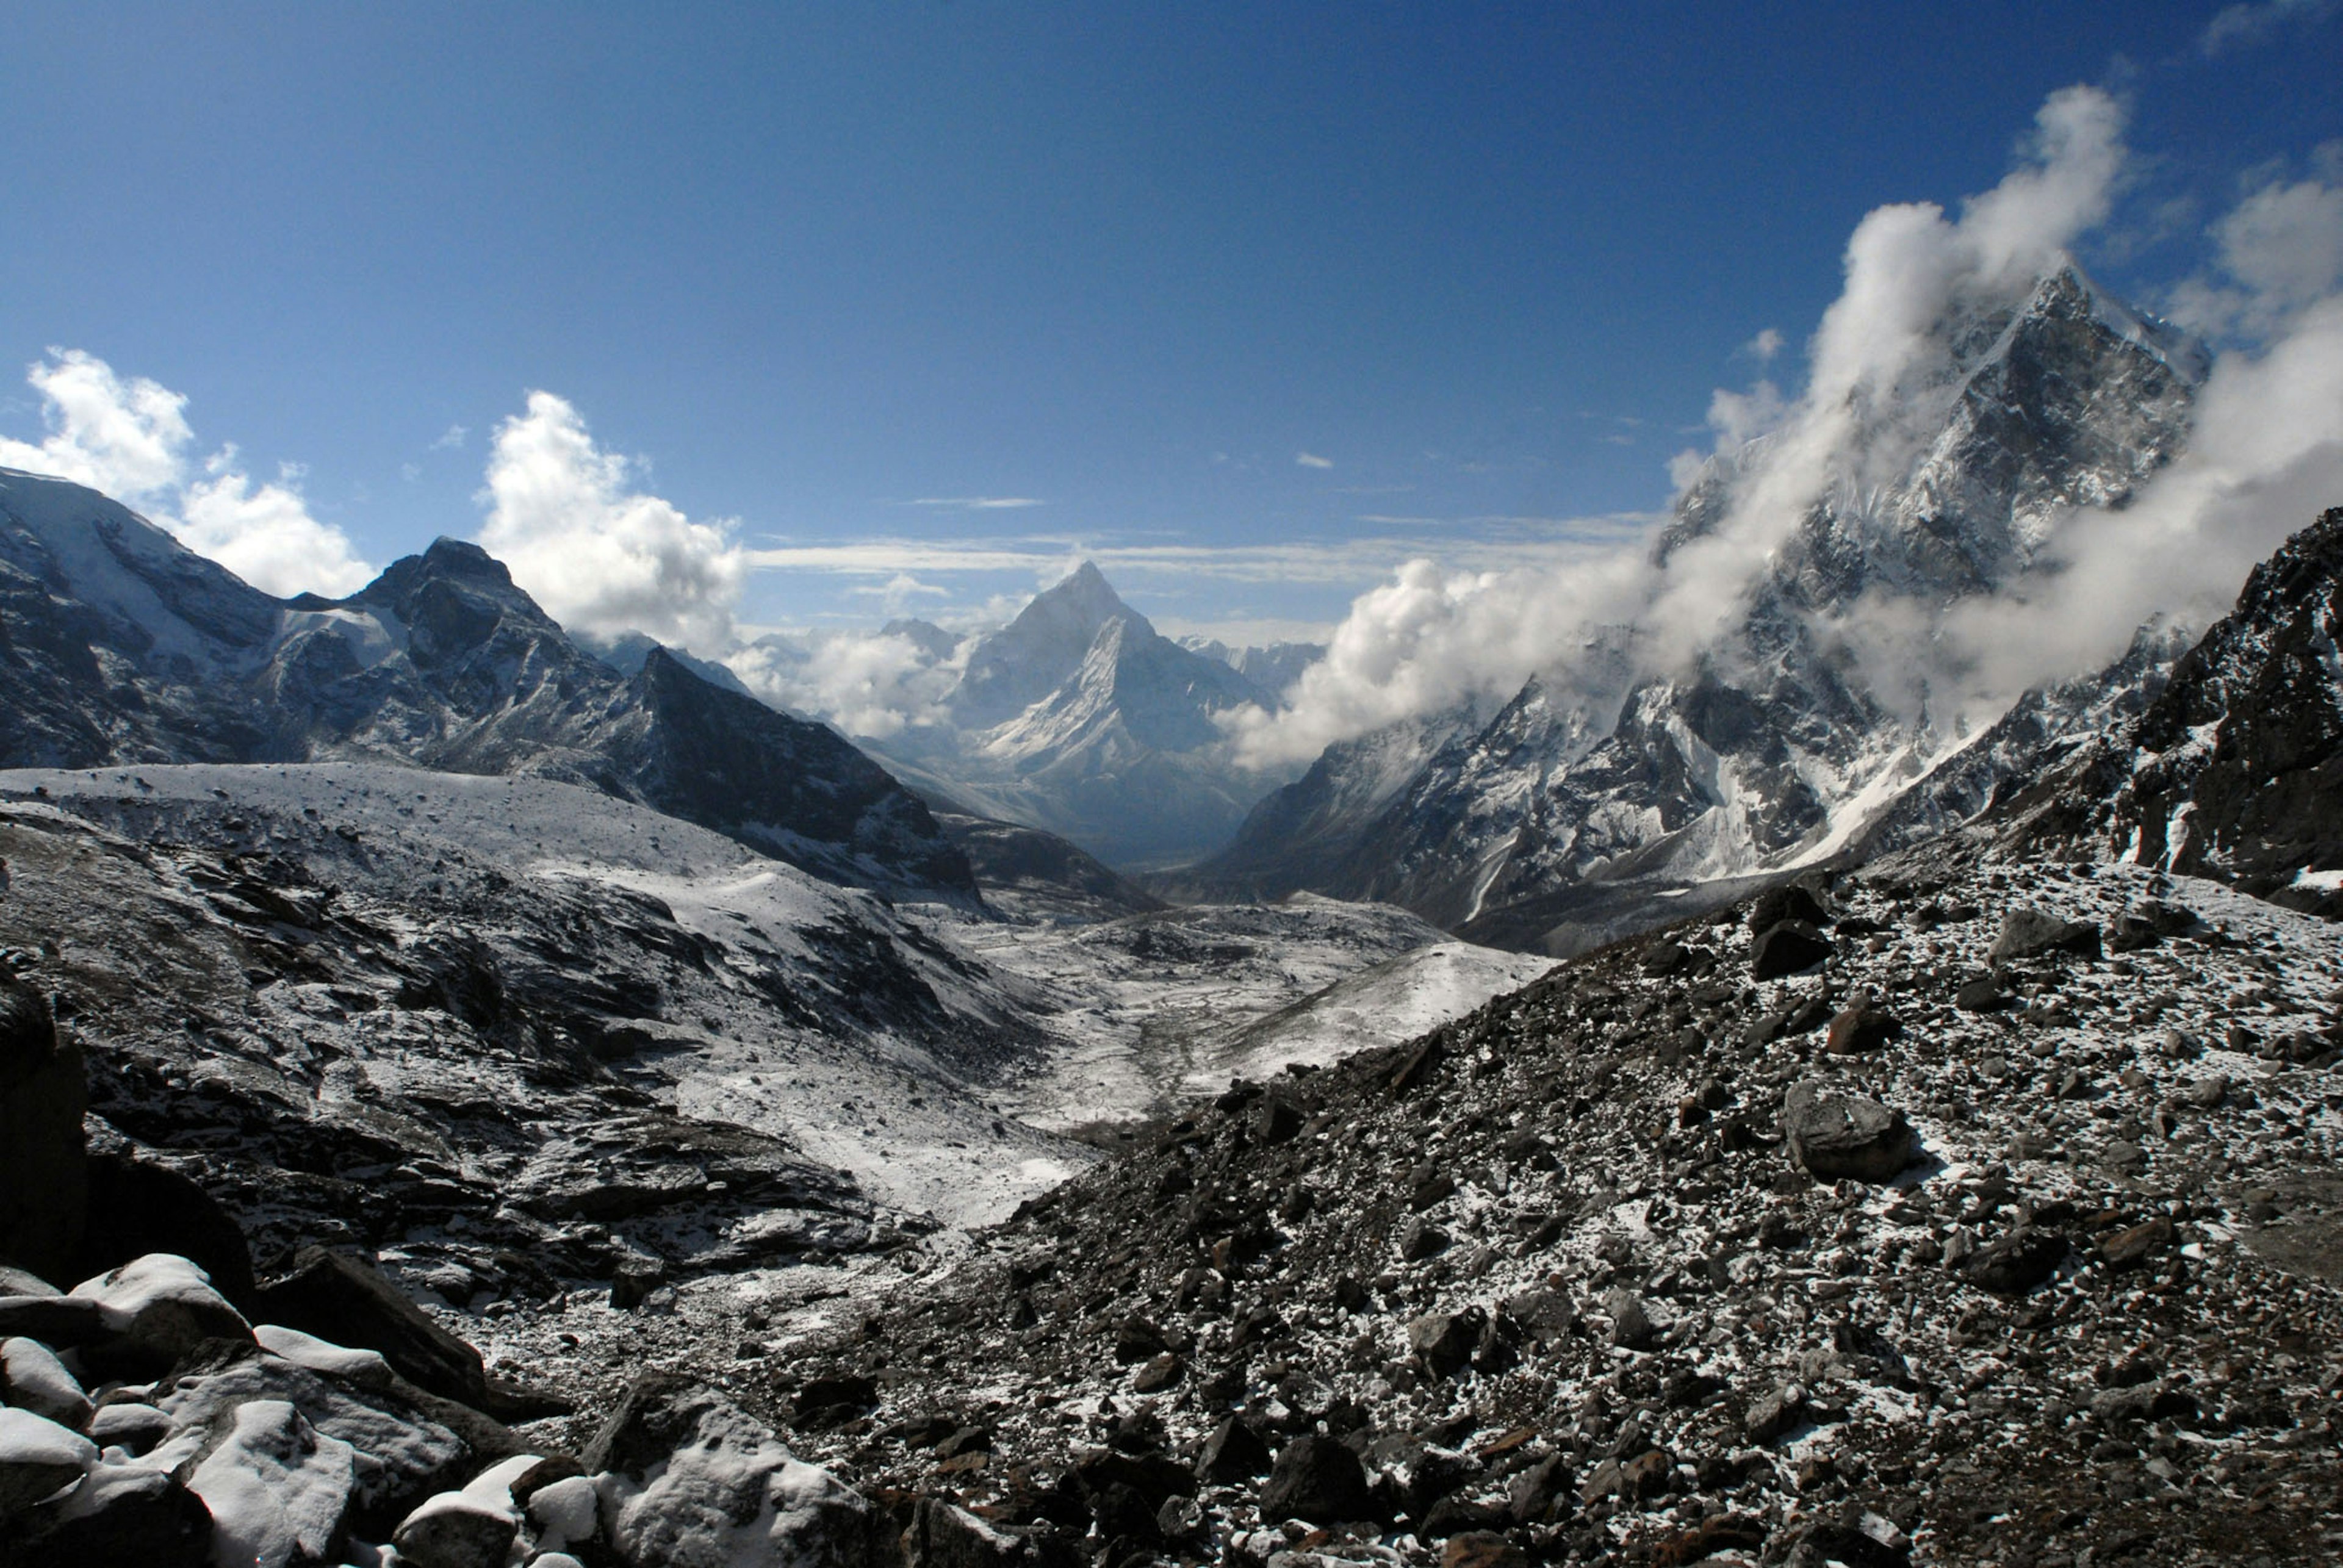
<point>2260,798</point>
<point>44,1180</point>
<point>1317,1479</point>
<point>1844,1135</point>
<point>461,673</point>
<point>124,1517</point>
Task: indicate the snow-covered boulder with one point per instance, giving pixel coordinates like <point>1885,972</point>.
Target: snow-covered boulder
<point>366,1368</point>
<point>691,1481</point>
<point>32,1378</point>
<point>161,1306</point>
<point>38,1459</point>
<point>279,1490</point>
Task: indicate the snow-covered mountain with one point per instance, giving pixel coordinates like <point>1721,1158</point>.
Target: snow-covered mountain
<point>1574,812</point>
<point>1079,718</point>
<point>122,646</point>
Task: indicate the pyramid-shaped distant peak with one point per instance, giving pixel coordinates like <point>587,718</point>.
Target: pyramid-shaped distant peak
<point>1086,593</point>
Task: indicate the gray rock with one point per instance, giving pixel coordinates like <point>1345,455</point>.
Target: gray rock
<point>1844,1135</point>
<point>943,1536</point>
<point>1319,1480</point>
<point>2029,933</point>
<point>1443,1342</point>
<point>2017,1262</point>
<point>1631,1324</point>
<point>1233,1453</point>
<point>454,1530</point>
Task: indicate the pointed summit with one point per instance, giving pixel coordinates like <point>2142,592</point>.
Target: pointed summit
<point>1031,657</point>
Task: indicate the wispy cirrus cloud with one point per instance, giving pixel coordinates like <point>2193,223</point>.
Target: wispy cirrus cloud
<point>2243,26</point>
<point>1313,460</point>
<point>977,503</point>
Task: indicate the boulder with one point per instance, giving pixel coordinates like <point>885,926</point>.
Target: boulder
<point>128,1425</point>
<point>400,1452</point>
<point>692,1478</point>
<point>278,1490</point>
<point>157,1308</point>
<point>457,1530</point>
<point>2027,933</point>
<point>1631,1325</point>
<point>1791,948</point>
<point>43,1161</point>
<point>1862,1029</point>
<point>32,1378</point>
<point>347,1301</point>
<point>37,1459</point>
<point>1233,1453</point>
<point>2017,1262</point>
<point>943,1536</point>
<point>365,1368</point>
<point>1787,901</point>
<point>1443,1342</point>
<point>1844,1135</point>
<point>123,1516</point>
<point>1319,1480</point>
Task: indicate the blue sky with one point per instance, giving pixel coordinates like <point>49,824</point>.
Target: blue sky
<point>1250,301</point>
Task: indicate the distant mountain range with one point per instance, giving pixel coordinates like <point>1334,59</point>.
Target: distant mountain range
<point>119,646</point>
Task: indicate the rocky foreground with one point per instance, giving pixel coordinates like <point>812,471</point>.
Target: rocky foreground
<point>1967,1210</point>
<point>1971,1211</point>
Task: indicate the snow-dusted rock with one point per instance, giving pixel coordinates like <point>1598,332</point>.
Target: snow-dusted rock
<point>694,1481</point>
<point>32,1378</point>
<point>399,1454</point>
<point>37,1459</point>
<point>120,1516</point>
<point>457,1530</point>
<point>366,1368</point>
<point>279,1491</point>
<point>565,1511</point>
<point>162,1306</point>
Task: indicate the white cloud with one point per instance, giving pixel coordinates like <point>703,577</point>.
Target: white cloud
<point>1312,460</point>
<point>1432,636</point>
<point>977,503</point>
<point>2235,27</point>
<point>869,683</point>
<point>452,440</point>
<point>602,557</point>
<point>2279,251</point>
<point>1765,345</point>
<point>130,439</point>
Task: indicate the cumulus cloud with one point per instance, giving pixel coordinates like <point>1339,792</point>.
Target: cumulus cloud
<point>874,684</point>
<point>2281,251</point>
<point>602,557</point>
<point>129,437</point>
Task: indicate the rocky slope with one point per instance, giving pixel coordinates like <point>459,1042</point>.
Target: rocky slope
<point>1562,821</point>
<point>1975,1209</point>
<point>117,645</point>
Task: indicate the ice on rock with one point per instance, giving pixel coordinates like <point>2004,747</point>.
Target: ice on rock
<point>32,1378</point>
<point>38,1458</point>
<point>279,1490</point>
<point>163,1304</point>
<point>366,1368</point>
